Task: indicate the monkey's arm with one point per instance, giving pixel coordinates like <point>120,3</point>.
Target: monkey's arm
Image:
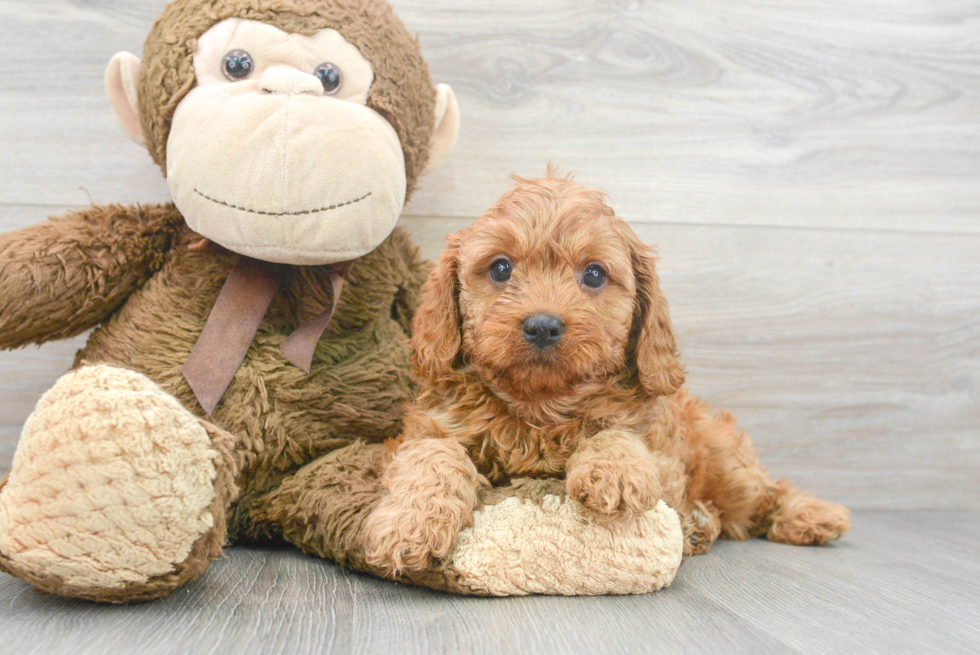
<point>66,275</point>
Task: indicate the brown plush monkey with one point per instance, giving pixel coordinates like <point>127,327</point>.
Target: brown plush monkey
<point>291,133</point>
<point>205,406</point>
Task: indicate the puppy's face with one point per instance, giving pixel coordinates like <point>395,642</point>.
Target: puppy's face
<point>547,290</point>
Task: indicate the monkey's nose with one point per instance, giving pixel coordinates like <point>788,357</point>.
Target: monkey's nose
<point>290,81</point>
<point>543,330</point>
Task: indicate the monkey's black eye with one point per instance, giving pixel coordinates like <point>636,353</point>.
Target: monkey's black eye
<point>594,276</point>
<point>237,65</point>
<point>330,76</point>
<point>500,270</point>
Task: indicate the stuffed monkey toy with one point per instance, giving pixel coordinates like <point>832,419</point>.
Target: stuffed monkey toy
<point>250,346</point>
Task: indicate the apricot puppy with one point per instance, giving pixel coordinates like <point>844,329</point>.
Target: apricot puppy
<point>545,348</point>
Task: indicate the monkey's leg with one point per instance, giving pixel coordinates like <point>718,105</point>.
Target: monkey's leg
<point>117,493</point>
<point>321,508</point>
<point>401,522</point>
<point>526,538</point>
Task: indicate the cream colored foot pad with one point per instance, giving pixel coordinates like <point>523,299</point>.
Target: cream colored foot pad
<point>112,482</point>
<point>520,547</point>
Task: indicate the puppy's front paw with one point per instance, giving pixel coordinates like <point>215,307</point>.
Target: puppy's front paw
<point>612,491</point>
<point>404,539</point>
<point>432,485</point>
<point>614,479</point>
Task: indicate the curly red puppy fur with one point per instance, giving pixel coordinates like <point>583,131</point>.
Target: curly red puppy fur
<point>545,348</point>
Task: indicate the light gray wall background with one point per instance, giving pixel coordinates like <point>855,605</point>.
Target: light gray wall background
<point>809,168</point>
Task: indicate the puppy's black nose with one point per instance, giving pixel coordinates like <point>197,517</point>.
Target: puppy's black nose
<point>543,330</point>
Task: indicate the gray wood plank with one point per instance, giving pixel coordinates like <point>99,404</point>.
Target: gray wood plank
<point>828,114</point>
<point>851,597</point>
<point>283,602</point>
<point>958,532</point>
<point>750,597</point>
<point>852,357</point>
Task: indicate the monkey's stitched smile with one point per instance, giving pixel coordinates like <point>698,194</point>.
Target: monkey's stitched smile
<point>299,213</point>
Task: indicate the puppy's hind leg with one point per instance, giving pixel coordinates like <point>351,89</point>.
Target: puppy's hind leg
<point>724,473</point>
<point>799,519</point>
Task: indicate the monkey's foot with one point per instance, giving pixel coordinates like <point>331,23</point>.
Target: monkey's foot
<point>117,493</point>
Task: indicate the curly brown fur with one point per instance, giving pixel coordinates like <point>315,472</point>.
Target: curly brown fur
<point>603,406</point>
<point>433,488</point>
<point>65,276</point>
<point>614,475</point>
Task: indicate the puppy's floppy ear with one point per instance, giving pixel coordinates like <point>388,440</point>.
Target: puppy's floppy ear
<point>652,341</point>
<point>436,328</point>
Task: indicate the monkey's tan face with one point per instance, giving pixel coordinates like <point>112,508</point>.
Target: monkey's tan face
<point>275,155</point>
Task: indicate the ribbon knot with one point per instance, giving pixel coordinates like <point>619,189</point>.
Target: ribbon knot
<point>235,319</point>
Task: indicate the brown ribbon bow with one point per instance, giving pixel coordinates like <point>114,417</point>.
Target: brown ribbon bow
<point>234,320</point>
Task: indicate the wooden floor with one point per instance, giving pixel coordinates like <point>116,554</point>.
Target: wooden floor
<point>902,582</point>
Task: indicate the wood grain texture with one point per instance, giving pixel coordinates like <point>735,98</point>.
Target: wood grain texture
<point>810,169</point>
<point>897,584</point>
<point>818,113</point>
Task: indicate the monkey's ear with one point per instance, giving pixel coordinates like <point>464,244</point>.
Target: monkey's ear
<point>121,78</point>
<point>446,128</point>
<point>436,328</point>
<point>658,366</point>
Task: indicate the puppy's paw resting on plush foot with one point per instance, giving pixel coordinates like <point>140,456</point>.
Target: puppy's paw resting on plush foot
<point>405,539</point>
<point>432,490</point>
<point>117,493</point>
<point>799,519</point>
<point>614,476</point>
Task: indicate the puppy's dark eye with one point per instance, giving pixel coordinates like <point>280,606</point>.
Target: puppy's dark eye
<point>594,276</point>
<point>500,270</point>
<point>330,76</point>
<point>237,65</point>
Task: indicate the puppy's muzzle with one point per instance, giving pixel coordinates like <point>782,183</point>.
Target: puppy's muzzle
<point>543,330</point>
